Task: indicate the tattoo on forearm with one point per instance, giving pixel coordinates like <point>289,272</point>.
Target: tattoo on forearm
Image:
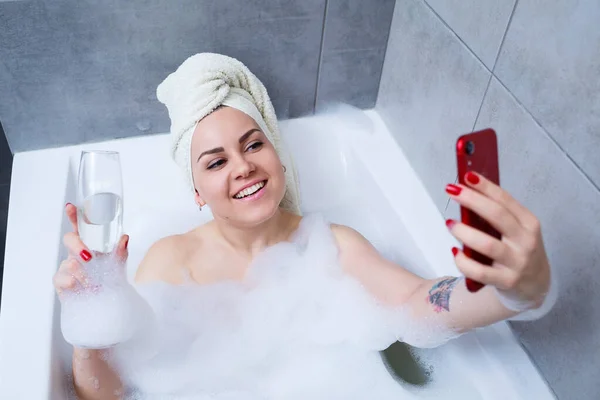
<point>439,294</point>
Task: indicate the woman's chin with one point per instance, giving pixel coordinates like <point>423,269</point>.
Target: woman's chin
<point>254,213</point>
<point>261,214</point>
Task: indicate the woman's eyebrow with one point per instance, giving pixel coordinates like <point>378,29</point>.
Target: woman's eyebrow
<point>220,149</point>
<point>211,151</point>
<point>247,134</point>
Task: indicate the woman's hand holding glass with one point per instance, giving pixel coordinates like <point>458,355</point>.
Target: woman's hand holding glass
<point>71,275</point>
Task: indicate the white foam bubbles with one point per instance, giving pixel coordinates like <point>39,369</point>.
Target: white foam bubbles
<point>108,312</point>
<point>296,328</point>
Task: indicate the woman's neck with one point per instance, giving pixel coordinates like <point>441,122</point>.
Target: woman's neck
<point>252,240</point>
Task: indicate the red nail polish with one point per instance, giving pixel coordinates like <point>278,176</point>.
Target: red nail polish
<point>454,251</point>
<point>126,242</point>
<point>471,178</point>
<point>85,255</point>
<point>450,223</point>
<point>67,205</point>
<point>453,189</point>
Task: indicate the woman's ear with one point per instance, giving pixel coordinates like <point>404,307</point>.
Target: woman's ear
<point>198,199</point>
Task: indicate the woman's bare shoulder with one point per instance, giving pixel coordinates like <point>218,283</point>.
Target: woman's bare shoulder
<point>165,260</point>
<point>348,238</point>
<point>356,254</point>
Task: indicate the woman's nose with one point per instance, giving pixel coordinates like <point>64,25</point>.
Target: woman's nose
<point>243,167</point>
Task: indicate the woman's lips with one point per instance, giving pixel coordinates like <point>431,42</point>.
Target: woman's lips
<point>256,195</point>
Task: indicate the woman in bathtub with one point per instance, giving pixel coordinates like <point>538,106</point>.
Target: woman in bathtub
<point>226,141</point>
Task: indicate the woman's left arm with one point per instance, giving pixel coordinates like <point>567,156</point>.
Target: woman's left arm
<point>518,279</point>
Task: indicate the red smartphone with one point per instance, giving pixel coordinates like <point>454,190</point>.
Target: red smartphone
<point>478,152</point>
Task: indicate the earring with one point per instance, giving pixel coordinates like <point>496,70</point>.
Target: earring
<point>200,208</point>
<point>284,169</point>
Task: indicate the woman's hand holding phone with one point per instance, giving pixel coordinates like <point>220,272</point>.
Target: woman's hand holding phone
<point>520,267</point>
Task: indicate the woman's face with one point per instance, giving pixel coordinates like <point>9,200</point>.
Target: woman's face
<point>235,168</point>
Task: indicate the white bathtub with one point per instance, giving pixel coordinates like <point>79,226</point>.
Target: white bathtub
<point>353,175</point>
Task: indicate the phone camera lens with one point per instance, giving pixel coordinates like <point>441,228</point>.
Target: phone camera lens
<point>470,149</point>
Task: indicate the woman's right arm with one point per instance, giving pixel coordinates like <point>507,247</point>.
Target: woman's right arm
<point>93,378</point>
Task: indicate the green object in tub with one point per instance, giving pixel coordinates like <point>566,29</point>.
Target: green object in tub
<point>403,365</point>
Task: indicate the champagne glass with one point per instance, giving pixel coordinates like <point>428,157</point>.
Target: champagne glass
<point>103,314</point>
<point>100,200</point>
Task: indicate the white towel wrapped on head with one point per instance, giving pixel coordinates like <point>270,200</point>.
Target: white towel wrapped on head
<point>206,81</point>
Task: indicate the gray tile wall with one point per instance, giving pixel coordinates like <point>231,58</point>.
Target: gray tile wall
<point>430,89</point>
<point>543,177</point>
<point>354,43</point>
<point>531,70</point>
<point>482,30</point>
<point>78,71</point>
<point>551,62</point>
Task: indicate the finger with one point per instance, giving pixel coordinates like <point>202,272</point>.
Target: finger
<point>63,282</point>
<point>482,243</point>
<point>74,269</point>
<point>500,277</point>
<point>490,210</point>
<point>71,212</point>
<point>73,243</point>
<point>68,277</point>
<point>502,197</point>
<point>122,248</point>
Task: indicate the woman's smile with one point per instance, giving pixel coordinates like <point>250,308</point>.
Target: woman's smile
<point>253,191</point>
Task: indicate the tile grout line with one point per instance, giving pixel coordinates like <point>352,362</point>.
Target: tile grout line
<point>530,114</point>
<point>494,66</point>
<point>487,88</point>
<point>355,50</point>
<point>387,43</point>
<point>547,134</point>
<point>320,61</point>
<point>456,35</point>
<point>512,13</point>
<point>482,101</point>
<point>477,58</point>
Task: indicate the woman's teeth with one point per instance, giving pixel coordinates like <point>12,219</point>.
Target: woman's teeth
<point>250,190</point>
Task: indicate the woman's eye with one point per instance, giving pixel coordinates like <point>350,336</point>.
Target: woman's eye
<point>216,164</point>
<point>254,146</point>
